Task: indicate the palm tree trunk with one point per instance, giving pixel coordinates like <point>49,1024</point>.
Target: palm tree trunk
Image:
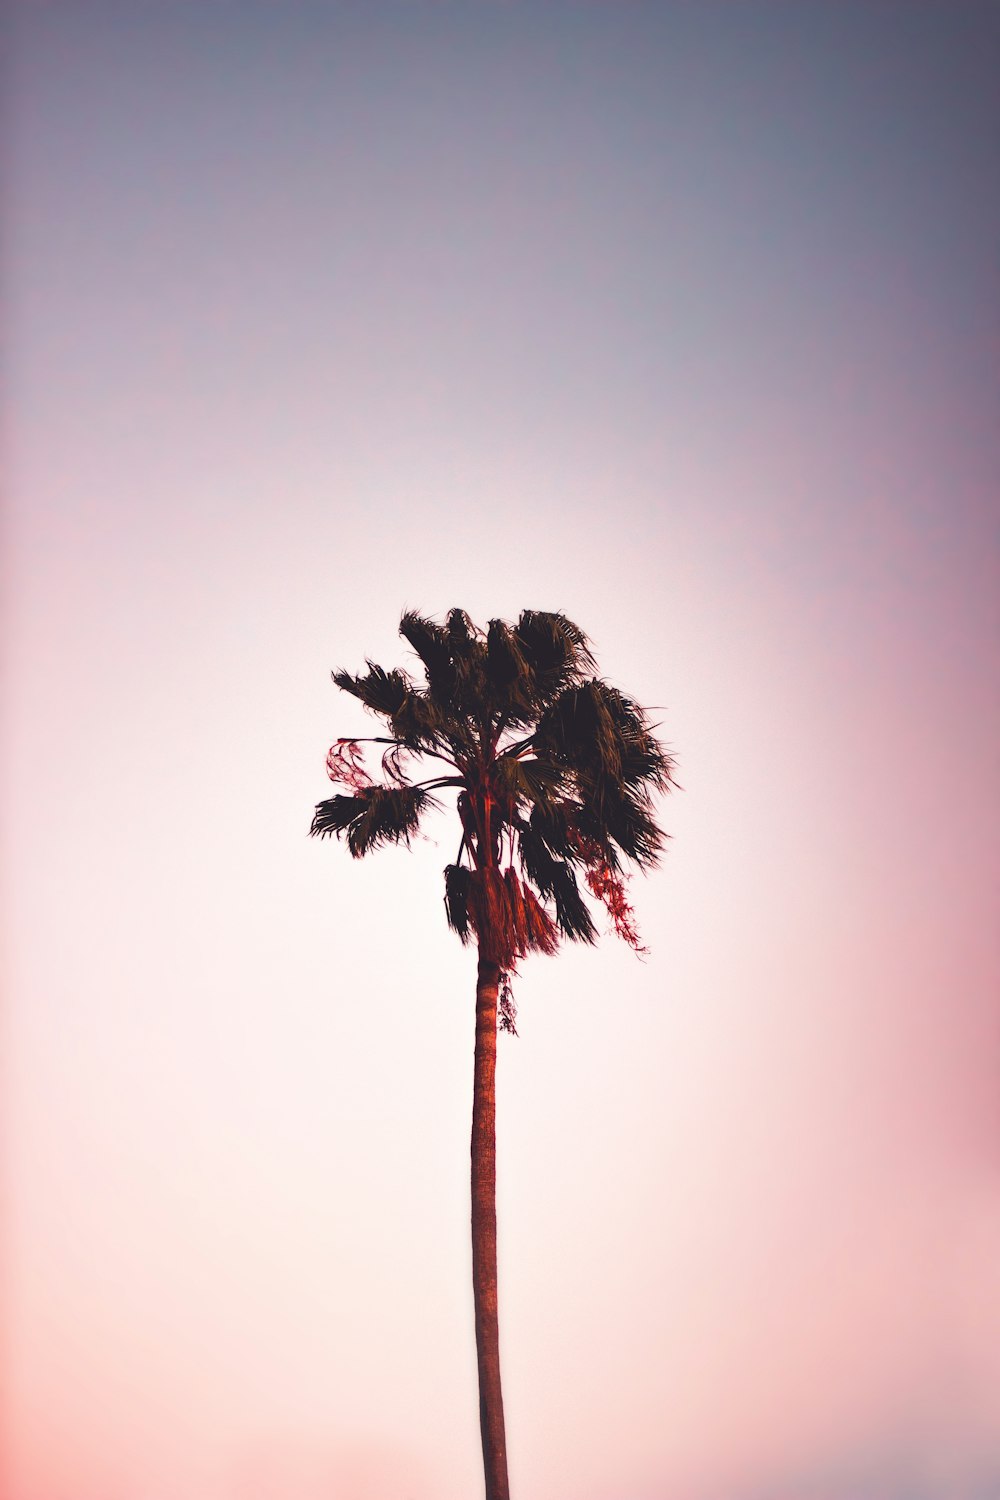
<point>484,1233</point>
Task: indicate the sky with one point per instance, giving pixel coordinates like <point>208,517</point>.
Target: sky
<point>682,319</point>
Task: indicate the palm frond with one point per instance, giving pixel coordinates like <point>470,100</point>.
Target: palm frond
<point>528,782</point>
<point>552,821</point>
<point>630,822</point>
<point>381,691</point>
<point>579,730</point>
<point>609,886</point>
<point>377,815</point>
<point>490,916</point>
<point>514,690</point>
<point>646,763</point>
<point>431,643</point>
<point>392,816</point>
<point>515,906</point>
<point>421,722</point>
<point>542,935</point>
<point>457,881</point>
<point>555,878</point>
<point>472,689</point>
<point>335,814</point>
<point>643,758</point>
<point>555,648</point>
<point>506,661</point>
<point>575,921</point>
<point>603,741</point>
<point>461,630</point>
<point>345,763</point>
<point>622,816</point>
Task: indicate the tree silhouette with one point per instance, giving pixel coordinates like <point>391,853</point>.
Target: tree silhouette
<point>555,773</point>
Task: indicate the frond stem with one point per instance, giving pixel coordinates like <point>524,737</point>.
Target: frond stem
<point>517,748</point>
<point>383,739</point>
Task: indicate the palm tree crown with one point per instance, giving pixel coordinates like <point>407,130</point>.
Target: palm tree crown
<point>555,772</point>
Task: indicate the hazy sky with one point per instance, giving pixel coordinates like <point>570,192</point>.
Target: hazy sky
<point>682,318</point>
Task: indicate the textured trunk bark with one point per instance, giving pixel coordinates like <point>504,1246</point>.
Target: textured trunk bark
<point>484,1233</point>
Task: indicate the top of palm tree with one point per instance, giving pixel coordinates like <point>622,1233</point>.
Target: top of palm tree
<point>556,773</point>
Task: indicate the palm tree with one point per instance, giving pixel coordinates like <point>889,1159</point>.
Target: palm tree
<point>555,772</point>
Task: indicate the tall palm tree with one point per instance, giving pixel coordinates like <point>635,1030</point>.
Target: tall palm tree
<point>555,773</point>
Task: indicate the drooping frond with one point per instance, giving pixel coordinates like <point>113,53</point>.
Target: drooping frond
<point>555,878</point>
<point>631,824</point>
<point>490,916</point>
<point>541,934</point>
<point>345,764</point>
<point>515,903</point>
<point>377,815</point>
<point>553,822</point>
<point>606,882</point>
<point>506,915</point>
<point>457,880</point>
<point>381,691</point>
<point>626,818</point>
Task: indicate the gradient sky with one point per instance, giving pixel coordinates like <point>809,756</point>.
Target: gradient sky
<point>681,318</point>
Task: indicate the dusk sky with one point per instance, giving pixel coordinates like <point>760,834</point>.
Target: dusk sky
<point>683,319</point>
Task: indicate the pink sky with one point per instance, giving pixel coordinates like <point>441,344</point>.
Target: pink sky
<point>681,319</point>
